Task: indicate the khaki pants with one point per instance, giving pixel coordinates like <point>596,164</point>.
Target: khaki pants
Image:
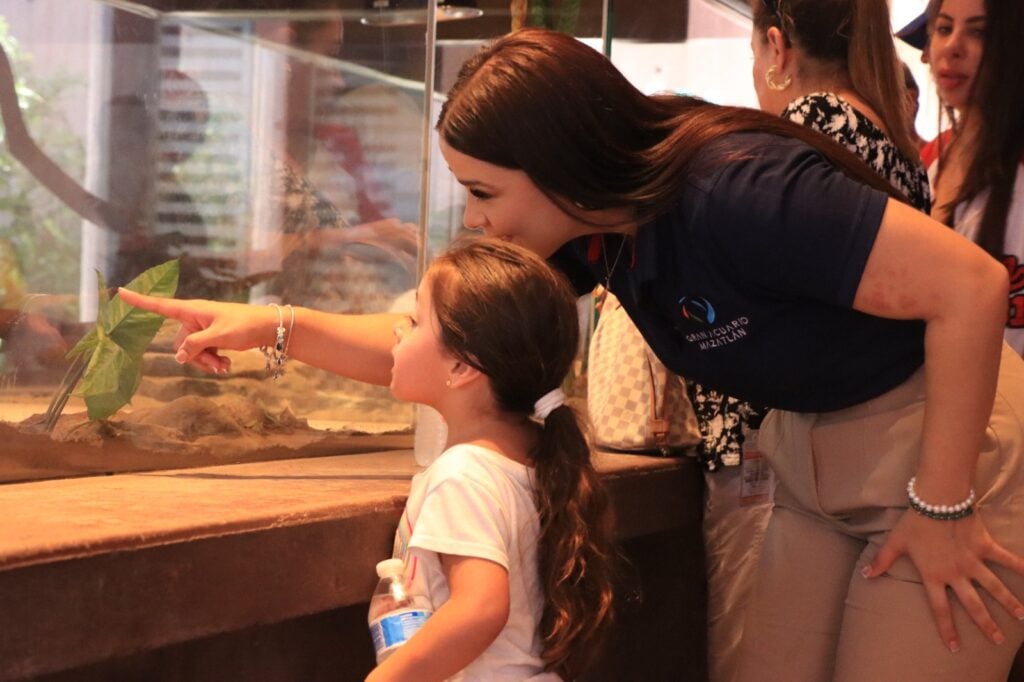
<point>733,532</point>
<point>841,486</point>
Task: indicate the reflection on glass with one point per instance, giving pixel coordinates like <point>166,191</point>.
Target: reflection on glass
<point>256,150</point>
<point>399,13</point>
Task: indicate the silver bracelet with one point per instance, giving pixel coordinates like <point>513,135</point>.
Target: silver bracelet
<point>278,355</point>
<point>940,512</point>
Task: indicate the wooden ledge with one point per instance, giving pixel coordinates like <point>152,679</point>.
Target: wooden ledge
<point>94,568</point>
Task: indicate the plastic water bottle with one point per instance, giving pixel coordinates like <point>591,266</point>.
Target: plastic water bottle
<point>430,436</point>
<point>395,613</point>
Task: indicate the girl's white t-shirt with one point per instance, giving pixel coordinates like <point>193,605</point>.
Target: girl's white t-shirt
<point>472,501</point>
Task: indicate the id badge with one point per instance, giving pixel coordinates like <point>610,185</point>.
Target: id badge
<point>755,474</point>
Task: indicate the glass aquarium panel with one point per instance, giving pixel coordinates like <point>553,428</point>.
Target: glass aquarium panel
<point>276,155</point>
<point>277,151</point>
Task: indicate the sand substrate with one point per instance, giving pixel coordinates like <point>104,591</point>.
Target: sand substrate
<point>188,431</point>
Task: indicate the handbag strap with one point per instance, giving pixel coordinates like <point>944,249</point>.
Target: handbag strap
<point>657,424</point>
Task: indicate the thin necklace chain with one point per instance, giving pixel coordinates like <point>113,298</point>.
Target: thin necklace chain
<point>608,271</point>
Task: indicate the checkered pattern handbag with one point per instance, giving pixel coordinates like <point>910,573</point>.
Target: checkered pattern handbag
<point>635,402</point>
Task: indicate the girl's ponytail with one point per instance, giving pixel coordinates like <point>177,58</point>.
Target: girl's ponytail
<point>574,547</point>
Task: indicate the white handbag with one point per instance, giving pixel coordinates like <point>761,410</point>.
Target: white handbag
<point>635,403</point>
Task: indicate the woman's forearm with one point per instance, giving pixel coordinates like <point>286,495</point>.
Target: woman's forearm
<point>962,351</point>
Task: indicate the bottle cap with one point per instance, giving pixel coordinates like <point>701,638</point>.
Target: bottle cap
<point>390,568</point>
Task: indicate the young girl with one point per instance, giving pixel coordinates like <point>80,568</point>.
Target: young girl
<point>975,56</point>
<point>505,531</point>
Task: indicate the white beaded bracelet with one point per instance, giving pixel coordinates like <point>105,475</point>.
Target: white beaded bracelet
<point>940,512</point>
<point>278,355</point>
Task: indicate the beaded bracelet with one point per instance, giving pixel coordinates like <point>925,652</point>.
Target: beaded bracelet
<point>278,355</point>
<point>940,512</point>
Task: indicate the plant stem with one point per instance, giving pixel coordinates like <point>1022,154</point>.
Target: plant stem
<point>60,398</point>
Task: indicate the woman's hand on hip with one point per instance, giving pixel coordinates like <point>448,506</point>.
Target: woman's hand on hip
<point>953,554</point>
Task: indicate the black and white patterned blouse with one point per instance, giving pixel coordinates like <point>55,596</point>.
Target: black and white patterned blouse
<point>834,116</point>
<point>721,418</point>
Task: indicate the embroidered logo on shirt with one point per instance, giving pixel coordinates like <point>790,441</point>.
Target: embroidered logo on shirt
<point>697,309</point>
<point>720,335</point>
<point>700,325</point>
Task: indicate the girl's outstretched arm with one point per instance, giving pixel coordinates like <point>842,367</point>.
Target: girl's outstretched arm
<point>460,630</point>
<point>920,269</point>
<point>354,346</point>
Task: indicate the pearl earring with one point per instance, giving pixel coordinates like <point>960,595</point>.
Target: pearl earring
<point>448,382</point>
<point>769,78</point>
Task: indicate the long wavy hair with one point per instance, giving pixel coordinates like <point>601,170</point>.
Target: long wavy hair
<point>542,102</point>
<point>998,142</point>
<point>855,37</point>
<point>504,311</point>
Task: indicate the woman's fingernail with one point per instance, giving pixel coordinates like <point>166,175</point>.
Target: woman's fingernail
<point>866,571</point>
<point>181,357</point>
<point>954,646</point>
<point>998,638</point>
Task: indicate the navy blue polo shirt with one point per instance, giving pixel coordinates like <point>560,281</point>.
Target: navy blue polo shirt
<point>747,284</point>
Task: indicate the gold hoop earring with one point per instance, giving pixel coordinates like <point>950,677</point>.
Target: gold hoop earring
<point>769,78</point>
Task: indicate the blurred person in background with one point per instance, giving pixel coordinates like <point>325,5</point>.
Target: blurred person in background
<point>976,59</point>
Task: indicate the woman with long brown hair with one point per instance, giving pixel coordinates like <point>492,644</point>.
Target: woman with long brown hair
<point>832,65</point>
<point>761,258</point>
<point>976,58</point>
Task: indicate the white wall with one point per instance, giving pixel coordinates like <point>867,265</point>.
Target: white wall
<point>60,44</point>
<point>715,61</point>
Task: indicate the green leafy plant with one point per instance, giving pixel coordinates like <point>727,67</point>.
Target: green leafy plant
<point>108,359</point>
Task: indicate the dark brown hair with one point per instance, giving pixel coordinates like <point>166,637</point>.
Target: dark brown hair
<point>544,103</point>
<point>998,141</point>
<point>504,311</point>
<point>855,36</point>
